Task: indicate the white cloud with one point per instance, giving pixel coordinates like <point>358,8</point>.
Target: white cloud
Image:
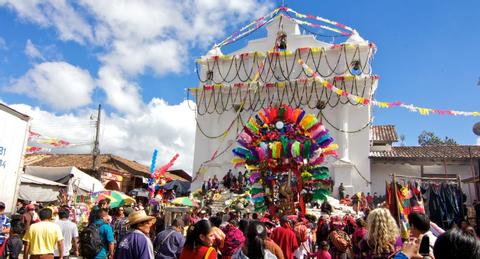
<point>59,84</point>
<point>69,22</point>
<point>138,37</point>
<point>121,93</point>
<point>168,128</point>
<point>32,52</point>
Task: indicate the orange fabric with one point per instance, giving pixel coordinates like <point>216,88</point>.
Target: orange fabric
<point>198,253</point>
<point>274,248</point>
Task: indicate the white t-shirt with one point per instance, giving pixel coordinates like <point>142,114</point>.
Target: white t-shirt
<point>69,231</point>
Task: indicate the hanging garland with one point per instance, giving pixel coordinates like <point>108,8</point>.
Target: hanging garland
<point>279,140</point>
<point>367,101</point>
<point>279,65</point>
<point>255,96</point>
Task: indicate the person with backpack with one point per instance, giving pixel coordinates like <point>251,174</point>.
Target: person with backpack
<point>339,241</point>
<point>97,241</point>
<point>169,243</point>
<point>137,243</point>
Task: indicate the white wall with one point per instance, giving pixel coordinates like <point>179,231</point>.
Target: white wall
<point>354,148</point>
<point>13,141</point>
<point>381,172</point>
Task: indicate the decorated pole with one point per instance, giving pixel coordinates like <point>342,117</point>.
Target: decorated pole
<point>284,148</point>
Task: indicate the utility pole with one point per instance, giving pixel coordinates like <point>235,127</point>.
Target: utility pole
<point>96,149</point>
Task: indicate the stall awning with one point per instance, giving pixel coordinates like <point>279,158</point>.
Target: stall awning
<point>70,176</point>
<point>33,188</point>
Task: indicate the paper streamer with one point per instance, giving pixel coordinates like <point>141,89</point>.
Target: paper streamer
<point>154,161</point>
<point>366,101</point>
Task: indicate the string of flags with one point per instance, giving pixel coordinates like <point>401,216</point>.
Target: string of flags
<point>35,137</point>
<point>259,22</point>
<point>380,104</point>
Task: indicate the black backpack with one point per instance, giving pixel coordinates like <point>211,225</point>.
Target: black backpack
<point>90,242</point>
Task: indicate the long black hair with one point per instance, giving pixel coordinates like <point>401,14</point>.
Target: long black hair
<point>255,236</point>
<point>202,227</point>
<point>456,244</point>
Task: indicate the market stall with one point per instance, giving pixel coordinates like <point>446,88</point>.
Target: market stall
<point>34,188</point>
<point>77,181</point>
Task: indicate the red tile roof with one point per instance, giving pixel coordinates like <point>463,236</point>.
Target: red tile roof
<point>384,134</point>
<point>84,162</point>
<point>428,152</point>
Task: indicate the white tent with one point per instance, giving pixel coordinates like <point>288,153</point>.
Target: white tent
<point>76,180</point>
<point>34,188</point>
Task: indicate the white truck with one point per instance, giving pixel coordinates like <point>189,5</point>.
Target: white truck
<point>14,127</point>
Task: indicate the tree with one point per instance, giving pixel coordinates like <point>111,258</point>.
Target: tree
<point>428,138</point>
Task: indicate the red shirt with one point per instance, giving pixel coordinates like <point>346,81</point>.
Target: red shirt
<point>286,240</point>
<point>198,253</point>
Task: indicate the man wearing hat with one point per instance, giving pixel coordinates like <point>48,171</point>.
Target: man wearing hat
<point>137,243</point>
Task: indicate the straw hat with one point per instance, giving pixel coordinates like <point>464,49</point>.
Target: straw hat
<point>138,217</point>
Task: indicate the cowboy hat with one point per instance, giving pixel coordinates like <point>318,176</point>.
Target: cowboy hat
<point>138,217</point>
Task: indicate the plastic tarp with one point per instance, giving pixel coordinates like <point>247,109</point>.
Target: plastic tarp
<point>183,187</point>
<point>76,180</point>
<point>34,188</point>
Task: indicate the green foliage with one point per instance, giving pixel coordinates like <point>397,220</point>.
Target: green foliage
<point>428,138</point>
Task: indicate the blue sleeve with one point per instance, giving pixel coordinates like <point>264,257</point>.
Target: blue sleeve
<point>107,229</point>
<point>400,255</point>
<point>142,248</point>
<point>180,242</point>
<point>7,222</point>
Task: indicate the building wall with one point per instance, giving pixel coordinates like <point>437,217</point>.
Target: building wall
<point>353,147</point>
<point>381,172</point>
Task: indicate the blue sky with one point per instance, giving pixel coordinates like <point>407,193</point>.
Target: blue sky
<point>426,55</point>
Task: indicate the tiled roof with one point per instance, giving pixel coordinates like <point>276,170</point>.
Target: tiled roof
<point>428,152</point>
<point>384,133</point>
<point>84,163</point>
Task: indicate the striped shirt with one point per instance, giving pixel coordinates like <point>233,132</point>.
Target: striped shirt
<point>4,223</point>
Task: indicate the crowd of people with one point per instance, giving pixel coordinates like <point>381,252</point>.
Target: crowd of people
<point>128,232</point>
<point>235,184</point>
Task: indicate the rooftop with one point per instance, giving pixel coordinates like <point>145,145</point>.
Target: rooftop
<point>460,152</point>
<point>106,162</point>
<point>384,134</point>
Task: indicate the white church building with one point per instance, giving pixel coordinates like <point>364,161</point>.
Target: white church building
<point>237,85</point>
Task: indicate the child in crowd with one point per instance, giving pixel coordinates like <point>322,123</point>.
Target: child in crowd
<point>15,243</point>
<point>322,253</point>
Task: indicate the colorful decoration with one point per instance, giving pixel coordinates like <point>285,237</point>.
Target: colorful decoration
<point>366,101</point>
<point>290,14</point>
<point>117,198</point>
<point>154,161</point>
<point>185,201</point>
<point>40,139</point>
<point>279,141</point>
<point>32,150</point>
<point>160,171</point>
